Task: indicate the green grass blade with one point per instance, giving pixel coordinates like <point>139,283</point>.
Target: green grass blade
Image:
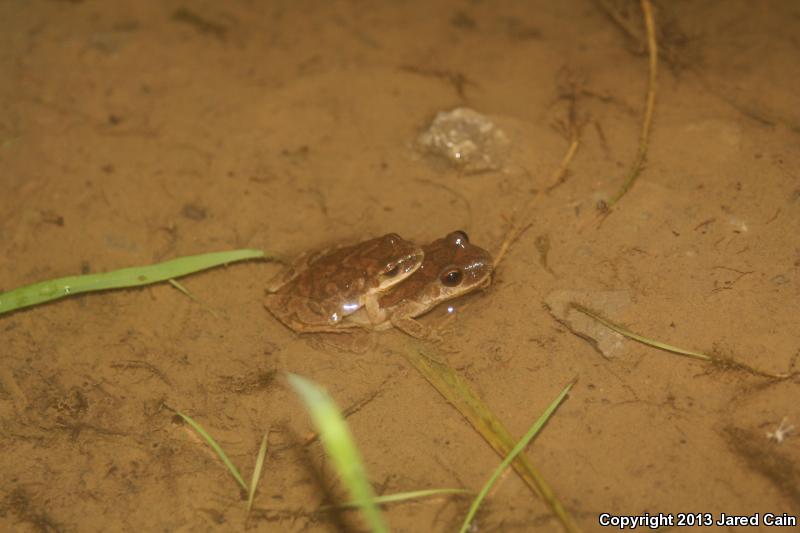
<point>340,446</point>
<point>644,340</point>
<point>724,363</point>
<point>459,393</point>
<point>216,447</point>
<point>262,452</point>
<point>511,456</point>
<point>400,497</point>
<point>191,296</point>
<point>46,291</point>
<point>180,287</point>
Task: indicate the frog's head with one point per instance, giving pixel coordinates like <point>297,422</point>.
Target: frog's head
<point>398,258</point>
<point>452,266</point>
<point>460,266</point>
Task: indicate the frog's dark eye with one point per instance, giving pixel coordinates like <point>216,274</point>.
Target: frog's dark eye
<point>452,277</point>
<point>392,272</point>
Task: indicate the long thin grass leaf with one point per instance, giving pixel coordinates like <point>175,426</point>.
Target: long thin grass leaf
<point>340,446</point>
<point>185,291</point>
<point>650,102</point>
<point>720,362</point>
<point>46,291</point>
<point>458,392</point>
<point>511,456</point>
<point>644,340</point>
<point>180,287</point>
<point>216,447</point>
<point>262,452</point>
<point>399,497</point>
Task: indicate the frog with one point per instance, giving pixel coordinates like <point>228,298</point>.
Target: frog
<point>320,289</point>
<point>452,267</point>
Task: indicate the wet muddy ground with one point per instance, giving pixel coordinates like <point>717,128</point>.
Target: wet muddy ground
<point>134,132</point>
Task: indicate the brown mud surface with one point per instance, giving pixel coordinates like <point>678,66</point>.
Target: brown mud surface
<point>134,132</point>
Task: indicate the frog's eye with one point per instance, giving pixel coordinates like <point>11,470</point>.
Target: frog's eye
<point>392,272</point>
<point>459,238</point>
<point>451,277</point>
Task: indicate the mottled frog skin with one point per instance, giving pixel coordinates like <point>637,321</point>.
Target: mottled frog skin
<point>321,289</point>
<point>452,267</point>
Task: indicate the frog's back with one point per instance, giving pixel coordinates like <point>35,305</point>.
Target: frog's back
<point>321,288</point>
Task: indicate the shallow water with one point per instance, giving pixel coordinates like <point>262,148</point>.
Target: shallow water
<point>134,132</point>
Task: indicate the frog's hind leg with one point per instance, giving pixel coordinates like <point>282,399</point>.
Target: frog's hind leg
<point>288,273</point>
<point>415,329</point>
<point>273,303</point>
<point>356,341</point>
<point>418,330</point>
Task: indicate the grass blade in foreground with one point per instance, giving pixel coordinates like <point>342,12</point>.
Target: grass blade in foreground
<point>457,391</point>
<point>510,457</point>
<point>216,447</point>
<point>262,452</point>
<point>340,447</point>
<point>46,291</point>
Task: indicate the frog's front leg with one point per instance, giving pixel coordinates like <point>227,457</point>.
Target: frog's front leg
<point>376,315</point>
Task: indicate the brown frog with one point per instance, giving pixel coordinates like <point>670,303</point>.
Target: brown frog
<point>320,289</point>
<point>452,267</point>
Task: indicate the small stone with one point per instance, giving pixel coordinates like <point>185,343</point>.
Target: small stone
<point>468,140</point>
